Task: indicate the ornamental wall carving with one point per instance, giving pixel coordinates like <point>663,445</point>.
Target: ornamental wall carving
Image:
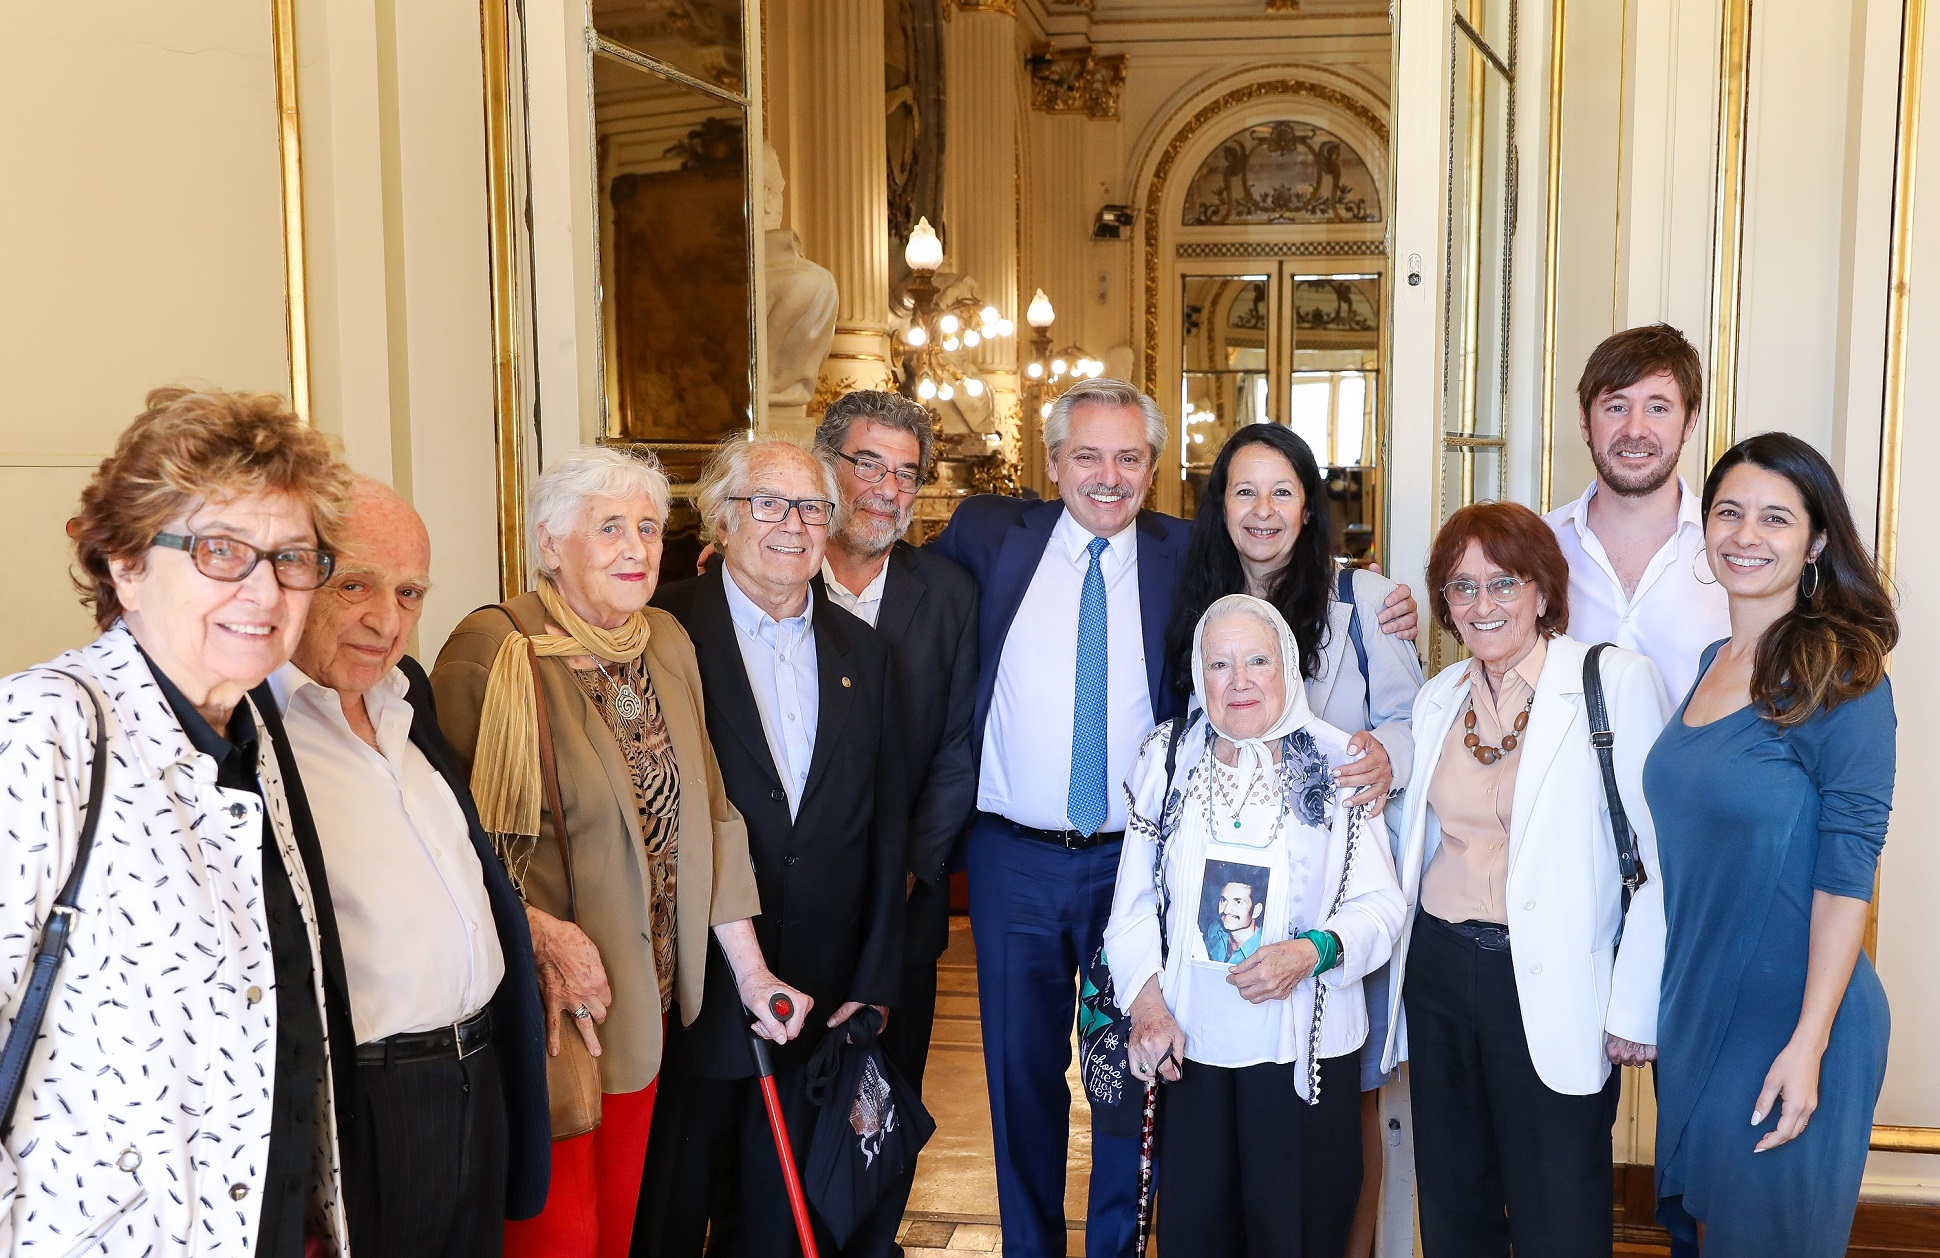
<point>1076,81</point>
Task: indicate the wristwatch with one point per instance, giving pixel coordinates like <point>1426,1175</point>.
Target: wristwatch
<point>1340,949</point>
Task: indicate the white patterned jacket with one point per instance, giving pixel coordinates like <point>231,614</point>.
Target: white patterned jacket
<point>143,1123</point>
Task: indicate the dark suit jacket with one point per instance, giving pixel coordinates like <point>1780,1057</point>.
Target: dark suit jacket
<point>518,1025</point>
<point>1000,540</point>
<point>831,878</point>
<point>929,617</point>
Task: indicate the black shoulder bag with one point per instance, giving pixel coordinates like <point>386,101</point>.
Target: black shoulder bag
<point>1629,864</point>
<point>53,940</point>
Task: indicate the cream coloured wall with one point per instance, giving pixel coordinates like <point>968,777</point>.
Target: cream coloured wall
<point>141,244</point>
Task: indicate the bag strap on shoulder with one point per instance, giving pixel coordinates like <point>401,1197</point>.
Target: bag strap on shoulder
<point>1629,864</point>
<point>1345,589</point>
<point>60,923</point>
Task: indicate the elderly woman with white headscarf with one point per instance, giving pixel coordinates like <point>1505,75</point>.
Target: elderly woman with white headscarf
<point>1250,903</point>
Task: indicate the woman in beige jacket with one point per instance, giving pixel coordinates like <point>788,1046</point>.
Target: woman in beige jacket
<point>659,858</point>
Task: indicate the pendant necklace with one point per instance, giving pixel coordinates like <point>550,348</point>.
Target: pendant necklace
<point>626,701</point>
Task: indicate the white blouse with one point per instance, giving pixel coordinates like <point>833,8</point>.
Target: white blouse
<point>1231,890</point>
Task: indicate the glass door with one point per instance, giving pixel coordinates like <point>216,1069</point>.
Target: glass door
<point>1282,344</point>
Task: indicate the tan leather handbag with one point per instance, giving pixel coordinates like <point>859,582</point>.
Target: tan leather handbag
<point>573,1077</point>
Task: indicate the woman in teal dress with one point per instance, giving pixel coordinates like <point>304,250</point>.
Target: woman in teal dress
<point>1771,788</point>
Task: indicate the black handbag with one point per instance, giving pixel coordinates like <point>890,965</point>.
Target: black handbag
<point>60,922</point>
<point>869,1131</point>
<point>1629,864</point>
<point>1104,1029</point>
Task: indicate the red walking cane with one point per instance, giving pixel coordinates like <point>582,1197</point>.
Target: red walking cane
<point>764,1069</point>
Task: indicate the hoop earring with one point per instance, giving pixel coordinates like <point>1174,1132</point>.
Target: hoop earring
<point>1695,574</point>
<point>1811,566</point>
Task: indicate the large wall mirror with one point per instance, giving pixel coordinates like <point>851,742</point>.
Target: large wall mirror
<point>675,190</point>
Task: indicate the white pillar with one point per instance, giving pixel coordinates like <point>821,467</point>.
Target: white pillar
<point>841,201</point>
<point>982,71</point>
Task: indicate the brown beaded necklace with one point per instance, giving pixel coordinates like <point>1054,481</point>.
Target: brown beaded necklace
<point>1473,741</point>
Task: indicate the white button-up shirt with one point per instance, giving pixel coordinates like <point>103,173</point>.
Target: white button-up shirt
<point>1672,617</point>
<point>865,606</point>
<point>420,946</point>
<point>780,658</point>
<point>1026,772</point>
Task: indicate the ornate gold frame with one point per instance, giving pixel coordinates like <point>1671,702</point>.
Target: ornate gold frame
<point>289,144</point>
<point>508,339</point>
<point>1728,226</point>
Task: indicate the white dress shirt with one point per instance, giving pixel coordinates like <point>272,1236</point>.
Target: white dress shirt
<point>1672,617</point>
<point>1026,773</point>
<point>865,606</point>
<point>780,658</point>
<point>420,946</point>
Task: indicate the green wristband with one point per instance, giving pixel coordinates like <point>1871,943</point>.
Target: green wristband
<point>1325,944</point>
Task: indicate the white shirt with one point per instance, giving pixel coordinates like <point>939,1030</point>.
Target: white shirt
<point>1672,617</point>
<point>420,946</point>
<point>780,658</point>
<point>1026,772</point>
<point>865,606</point>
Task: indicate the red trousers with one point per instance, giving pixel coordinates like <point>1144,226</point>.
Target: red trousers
<point>595,1186</point>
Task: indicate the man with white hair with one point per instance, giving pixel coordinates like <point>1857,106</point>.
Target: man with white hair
<point>925,607</point>
<point>445,1133</point>
<point>802,712</point>
<point>1076,593</point>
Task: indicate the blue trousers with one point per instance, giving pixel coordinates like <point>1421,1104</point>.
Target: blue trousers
<point>1037,913</point>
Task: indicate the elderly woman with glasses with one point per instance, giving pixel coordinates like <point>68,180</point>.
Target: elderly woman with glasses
<point>648,859</point>
<point>1522,978</point>
<point>1251,901</point>
<point>181,1096</point>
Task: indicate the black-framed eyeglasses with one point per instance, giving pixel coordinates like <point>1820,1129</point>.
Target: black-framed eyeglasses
<point>871,472</point>
<point>227,559</point>
<point>769,509</point>
<point>1462,591</point>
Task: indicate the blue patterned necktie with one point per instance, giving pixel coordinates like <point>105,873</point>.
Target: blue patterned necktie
<point>1087,803</point>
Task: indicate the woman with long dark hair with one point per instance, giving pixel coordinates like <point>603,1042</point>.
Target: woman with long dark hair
<point>1772,787</point>
<point>1263,529</point>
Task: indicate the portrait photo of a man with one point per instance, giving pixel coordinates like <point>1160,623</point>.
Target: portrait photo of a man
<point>1232,908</point>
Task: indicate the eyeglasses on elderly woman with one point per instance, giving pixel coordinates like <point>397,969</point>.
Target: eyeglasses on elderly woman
<point>228,559</point>
<point>1504,589</point>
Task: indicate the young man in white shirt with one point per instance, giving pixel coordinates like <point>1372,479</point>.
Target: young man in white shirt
<point>1635,539</point>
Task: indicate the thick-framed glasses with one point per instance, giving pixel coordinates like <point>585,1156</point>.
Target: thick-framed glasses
<point>227,559</point>
<point>1462,591</point>
<point>772,510</point>
<point>871,472</point>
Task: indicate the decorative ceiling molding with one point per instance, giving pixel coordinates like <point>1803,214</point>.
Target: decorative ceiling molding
<point>1076,81</point>
<point>1283,6</point>
<point>1006,7</point>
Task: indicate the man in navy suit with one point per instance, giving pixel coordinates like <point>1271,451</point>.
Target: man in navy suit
<point>1072,675</point>
<point>443,1123</point>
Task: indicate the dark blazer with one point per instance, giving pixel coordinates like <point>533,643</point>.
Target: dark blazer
<point>518,1025</point>
<point>831,878</point>
<point>1000,540</point>
<point>929,616</point>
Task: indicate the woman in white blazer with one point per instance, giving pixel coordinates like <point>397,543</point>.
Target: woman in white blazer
<point>1520,979</point>
<point>178,1097</point>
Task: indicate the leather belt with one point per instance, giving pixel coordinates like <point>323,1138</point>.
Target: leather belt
<point>459,1040</point>
<point>1069,840</point>
<point>1488,936</point>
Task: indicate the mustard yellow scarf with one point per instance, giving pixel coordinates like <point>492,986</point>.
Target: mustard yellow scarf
<point>505,768</point>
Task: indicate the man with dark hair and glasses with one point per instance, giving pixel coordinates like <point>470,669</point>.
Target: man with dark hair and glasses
<point>804,721</point>
<point>925,607</point>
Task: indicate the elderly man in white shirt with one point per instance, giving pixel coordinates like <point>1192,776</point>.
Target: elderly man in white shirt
<point>1635,539</point>
<point>446,1138</point>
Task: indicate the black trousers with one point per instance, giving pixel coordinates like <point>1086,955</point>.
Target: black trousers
<point>711,1162</point>
<point>1253,1171</point>
<point>429,1178</point>
<point>906,1043</point>
<point>1500,1159</point>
